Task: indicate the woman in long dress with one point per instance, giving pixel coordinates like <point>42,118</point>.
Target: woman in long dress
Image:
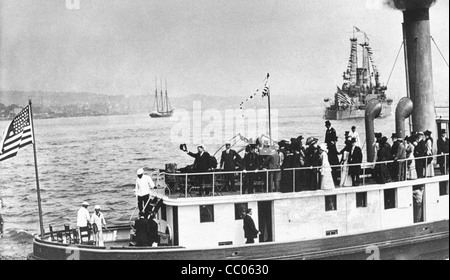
<point>346,179</point>
<point>411,173</point>
<point>326,180</point>
<point>429,169</point>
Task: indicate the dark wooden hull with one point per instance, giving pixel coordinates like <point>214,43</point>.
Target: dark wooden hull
<point>421,241</point>
<point>161,114</point>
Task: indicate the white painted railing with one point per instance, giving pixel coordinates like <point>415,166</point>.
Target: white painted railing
<point>184,184</point>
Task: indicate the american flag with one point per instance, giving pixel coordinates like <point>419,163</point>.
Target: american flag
<point>343,97</point>
<point>266,89</point>
<point>17,135</point>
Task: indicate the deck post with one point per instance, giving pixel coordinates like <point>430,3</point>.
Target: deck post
<point>186,186</point>
<point>267,181</point>
<point>293,180</point>
<point>364,175</point>
<point>241,182</point>
<point>213,181</point>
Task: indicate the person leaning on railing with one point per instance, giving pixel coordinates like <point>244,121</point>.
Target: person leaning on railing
<point>442,148</point>
<point>411,162</point>
<point>383,175</point>
<point>251,163</point>
<point>429,169</point>
<point>419,152</point>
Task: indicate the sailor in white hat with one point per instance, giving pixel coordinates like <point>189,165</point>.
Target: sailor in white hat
<point>83,218</point>
<point>144,184</point>
<point>98,222</point>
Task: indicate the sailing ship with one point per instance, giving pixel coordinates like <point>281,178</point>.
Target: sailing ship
<point>361,84</point>
<point>161,106</point>
<point>370,221</point>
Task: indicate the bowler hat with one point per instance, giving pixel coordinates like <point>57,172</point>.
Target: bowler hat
<point>427,133</point>
<point>327,123</point>
<point>394,135</point>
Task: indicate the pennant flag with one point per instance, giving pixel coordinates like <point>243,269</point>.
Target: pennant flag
<point>18,134</point>
<point>266,89</point>
<point>265,92</point>
<point>357,29</point>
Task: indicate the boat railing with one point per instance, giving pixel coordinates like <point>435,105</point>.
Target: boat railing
<point>297,179</point>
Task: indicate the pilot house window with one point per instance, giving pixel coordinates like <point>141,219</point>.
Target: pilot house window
<point>206,213</point>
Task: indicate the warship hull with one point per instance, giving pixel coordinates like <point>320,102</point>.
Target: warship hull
<point>333,114</point>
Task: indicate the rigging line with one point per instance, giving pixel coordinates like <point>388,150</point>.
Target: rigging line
<point>439,50</point>
<point>395,62</point>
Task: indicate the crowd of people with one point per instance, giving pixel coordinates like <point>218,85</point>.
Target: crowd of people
<point>411,156</point>
<point>322,166</point>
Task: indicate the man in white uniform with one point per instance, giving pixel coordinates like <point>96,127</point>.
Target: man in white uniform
<point>355,135</point>
<point>83,218</point>
<point>98,222</point>
<point>142,191</point>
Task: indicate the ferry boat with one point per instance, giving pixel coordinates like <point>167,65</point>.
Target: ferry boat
<point>371,221</point>
<point>361,84</point>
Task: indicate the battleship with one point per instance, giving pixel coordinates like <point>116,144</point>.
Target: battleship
<point>361,84</point>
<point>369,221</point>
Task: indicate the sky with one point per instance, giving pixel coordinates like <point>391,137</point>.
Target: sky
<point>211,47</point>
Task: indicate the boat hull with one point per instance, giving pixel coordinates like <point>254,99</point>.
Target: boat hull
<point>420,241</point>
<point>333,114</point>
<point>161,114</point>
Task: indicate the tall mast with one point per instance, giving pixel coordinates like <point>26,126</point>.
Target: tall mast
<point>156,95</point>
<point>167,99</point>
<point>162,99</point>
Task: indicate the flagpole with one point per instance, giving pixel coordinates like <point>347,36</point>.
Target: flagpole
<point>41,222</point>
<point>270,123</point>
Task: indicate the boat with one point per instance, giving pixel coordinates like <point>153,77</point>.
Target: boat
<point>361,84</point>
<point>161,106</point>
<point>371,221</point>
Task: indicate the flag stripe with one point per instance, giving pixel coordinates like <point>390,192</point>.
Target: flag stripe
<point>23,142</point>
<point>16,137</point>
<point>18,134</point>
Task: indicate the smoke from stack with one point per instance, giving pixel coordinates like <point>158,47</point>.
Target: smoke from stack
<point>409,4</point>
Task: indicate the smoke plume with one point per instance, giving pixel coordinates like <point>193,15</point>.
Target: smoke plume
<point>409,4</point>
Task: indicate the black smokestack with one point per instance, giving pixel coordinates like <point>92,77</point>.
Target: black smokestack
<point>417,39</point>
<point>409,4</point>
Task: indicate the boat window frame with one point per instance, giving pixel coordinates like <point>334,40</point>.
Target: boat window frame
<point>210,214</point>
<point>364,199</point>
<point>334,198</point>
<point>239,208</point>
<point>395,199</point>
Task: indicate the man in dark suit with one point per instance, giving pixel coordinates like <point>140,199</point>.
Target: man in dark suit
<point>442,148</point>
<point>419,151</point>
<point>250,231</point>
<point>331,140</point>
<point>228,163</point>
<point>355,157</point>
<point>399,160</point>
<point>142,228</point>
<point>153,236</point>
<point>202,163</point>
<point>251,163</point>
